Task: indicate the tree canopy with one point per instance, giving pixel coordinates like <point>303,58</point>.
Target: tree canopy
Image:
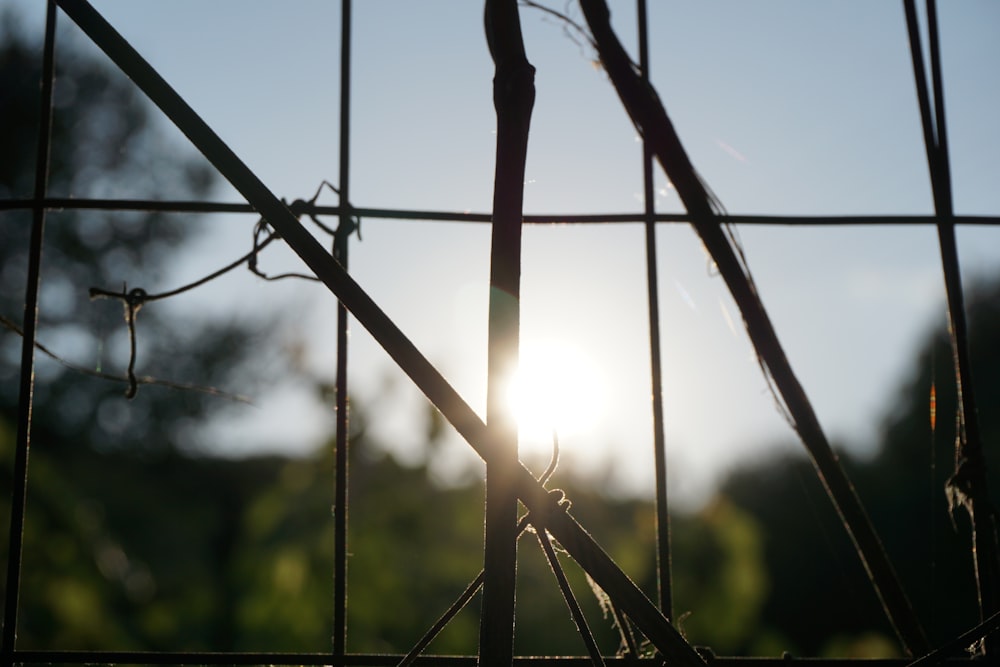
<point>818,591</point>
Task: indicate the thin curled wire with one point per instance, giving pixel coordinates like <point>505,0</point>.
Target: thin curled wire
<point>133,300</point>
<point>83,370</point>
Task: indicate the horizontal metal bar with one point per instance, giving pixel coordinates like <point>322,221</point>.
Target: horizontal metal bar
<point>151,205</point>
<point>185,206</point>
<point>378,660</point>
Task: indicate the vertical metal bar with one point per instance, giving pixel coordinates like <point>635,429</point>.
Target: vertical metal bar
<point>663,557</point>
<point>341,254</point>
<point>969,481</point>
<point>20,480</point>
<point>941,164</point>
<point>949,250</point>
<point>513,98</point>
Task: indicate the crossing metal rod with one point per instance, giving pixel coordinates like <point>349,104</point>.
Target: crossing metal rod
<point>545,508</point>
<point>15,543</point>
<point>650,118</point>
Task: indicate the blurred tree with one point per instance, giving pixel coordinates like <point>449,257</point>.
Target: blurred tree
<point>720,583</point>
<point>125,537</point>
<point>104,144</point>
<point>906,479</point>
<point>820,599</point>
<point>818,588</point>
<point>415,546</point>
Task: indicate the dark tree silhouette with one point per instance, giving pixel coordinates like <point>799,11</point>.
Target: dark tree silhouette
<point>818,589</point>
<point>104,144</point>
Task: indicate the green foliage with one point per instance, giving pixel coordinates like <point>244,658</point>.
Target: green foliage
<point>720,583</point>
<point>175,552</point>
<point>71,590</point>
<point>413,550</point>
<point>281,571</point>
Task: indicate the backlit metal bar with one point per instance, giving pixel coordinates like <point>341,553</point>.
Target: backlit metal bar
<point>83,204</point>
<point>970,473</point>
<point>663,556</point>
<point>860,220</point>
<point>389,660</point>
<point>342,432</point>
<point>513,99</point>
<point>15,543</point>
<point>650,118</point>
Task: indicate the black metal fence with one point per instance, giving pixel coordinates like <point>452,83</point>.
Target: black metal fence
<point>547,511</point>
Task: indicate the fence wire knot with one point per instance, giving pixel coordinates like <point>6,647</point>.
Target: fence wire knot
<point>961,486</point>
<point>132,300</point>
<point>263,235</point>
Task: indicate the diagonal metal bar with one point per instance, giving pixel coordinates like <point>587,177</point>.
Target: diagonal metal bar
<point>969,483</point>
<point>457,606</point>
<point>445,618</point>
<point>960,644</point>
<point>650,118</point>
<point>574,607</point>
<point>472,588</point>
<point>545,507</point>
<point>27,377</point>
<point>513,99</point>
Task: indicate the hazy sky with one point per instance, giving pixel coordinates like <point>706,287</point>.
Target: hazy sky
<point>785,107</point>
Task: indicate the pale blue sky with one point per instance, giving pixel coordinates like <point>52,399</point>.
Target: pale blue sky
<point>786,107</point>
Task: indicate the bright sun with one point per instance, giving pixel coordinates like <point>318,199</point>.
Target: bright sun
<point>556,389</point>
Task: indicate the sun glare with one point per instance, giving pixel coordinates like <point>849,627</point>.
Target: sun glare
<point>557,389</point>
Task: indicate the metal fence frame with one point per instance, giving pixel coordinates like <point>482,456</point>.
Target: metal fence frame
<point>546,511</point>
